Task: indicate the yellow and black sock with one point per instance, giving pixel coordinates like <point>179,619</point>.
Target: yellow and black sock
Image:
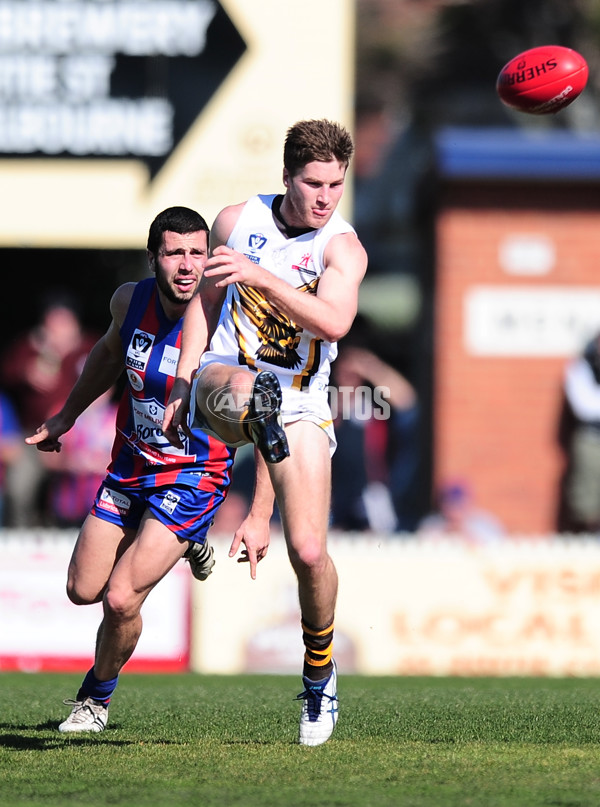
<point>318,661</point>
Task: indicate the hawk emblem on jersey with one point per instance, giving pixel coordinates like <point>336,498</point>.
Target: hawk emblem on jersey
<point>279,336</point>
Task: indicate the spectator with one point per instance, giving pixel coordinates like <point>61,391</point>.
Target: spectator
<point>11,446</point>
<point>38,370</point>
<point>77,471</point>
<point>457,516</point>
<point>582,479</point>
<point>377,456</point>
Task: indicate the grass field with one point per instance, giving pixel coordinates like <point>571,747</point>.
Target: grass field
<point>401,742</point>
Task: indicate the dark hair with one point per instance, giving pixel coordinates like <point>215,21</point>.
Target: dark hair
<point>175,220</point>
<point>316,140</point>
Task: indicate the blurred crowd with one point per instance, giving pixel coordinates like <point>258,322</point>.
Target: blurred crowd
<point>37,371</point>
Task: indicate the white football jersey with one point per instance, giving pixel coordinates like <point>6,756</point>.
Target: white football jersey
<point>251,330</point>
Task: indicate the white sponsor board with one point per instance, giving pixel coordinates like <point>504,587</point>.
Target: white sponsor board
<point>530,320</point>
<point>529,607</point>
<point>524,608</point>
<point>40,629</point>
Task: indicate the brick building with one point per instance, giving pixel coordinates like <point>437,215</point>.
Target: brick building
<point>517,294</point>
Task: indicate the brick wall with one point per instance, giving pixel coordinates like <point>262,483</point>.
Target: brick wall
<point>496,417</point>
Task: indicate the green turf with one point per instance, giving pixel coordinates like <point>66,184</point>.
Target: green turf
<point>400,742</point>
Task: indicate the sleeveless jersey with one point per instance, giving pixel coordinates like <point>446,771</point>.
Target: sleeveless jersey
<point>141,454</point>
<point>251,330</point>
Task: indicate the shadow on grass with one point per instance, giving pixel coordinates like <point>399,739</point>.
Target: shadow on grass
<point>251,743</point>
<point>10,737</point>
<point>18,742</point>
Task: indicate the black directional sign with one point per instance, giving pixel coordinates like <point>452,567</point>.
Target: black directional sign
<point>109,78</point>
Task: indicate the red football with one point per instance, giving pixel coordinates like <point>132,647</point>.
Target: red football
<point>542,80</point>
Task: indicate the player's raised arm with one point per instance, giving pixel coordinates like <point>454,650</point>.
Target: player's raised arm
<point>199,322</point>
<point>100,372</point>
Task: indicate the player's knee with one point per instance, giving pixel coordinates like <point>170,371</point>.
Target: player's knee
<point>240,385</point>
<point>120,606</point>
<point>309,556</point>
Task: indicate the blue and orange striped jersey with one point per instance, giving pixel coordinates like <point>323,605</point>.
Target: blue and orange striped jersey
<point>141,455</point>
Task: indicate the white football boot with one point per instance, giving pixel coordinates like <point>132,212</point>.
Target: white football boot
<point>86,715</point>
<point>319,710</point>
<point>201,558</point>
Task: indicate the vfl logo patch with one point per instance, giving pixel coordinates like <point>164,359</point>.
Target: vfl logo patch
<point>139,350</point>
<point>257,241</point>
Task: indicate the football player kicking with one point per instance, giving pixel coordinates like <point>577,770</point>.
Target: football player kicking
<point>286,269</point>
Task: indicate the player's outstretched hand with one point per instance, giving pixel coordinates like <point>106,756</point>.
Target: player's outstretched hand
<point>46,436</point>
<point>255,534</point>
<point>176,413</point>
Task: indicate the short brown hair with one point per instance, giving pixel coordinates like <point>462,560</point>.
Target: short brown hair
<point>316,140</point>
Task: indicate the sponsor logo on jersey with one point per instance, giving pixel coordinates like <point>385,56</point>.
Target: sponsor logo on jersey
<point>136,381</point>
<point>114,502</point>
<point>139,350</point>
<point>303,266</point>
<point>148,417</point>
<point>170,502</point>
<point>251,257</point>
<point>148,438</point>
<point>168,362</point>
<point>154,456</point>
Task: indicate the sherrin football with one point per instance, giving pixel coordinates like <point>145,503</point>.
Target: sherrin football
<point>542,80</point>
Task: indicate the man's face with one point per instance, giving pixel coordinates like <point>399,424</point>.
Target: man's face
<point>313,194</point>
<point>179,265</point>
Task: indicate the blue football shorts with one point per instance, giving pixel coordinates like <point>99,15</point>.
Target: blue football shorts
<point>186,511</point>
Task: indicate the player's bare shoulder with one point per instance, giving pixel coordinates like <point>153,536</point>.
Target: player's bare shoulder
<point>345,253</point>
<point>120,301</point>
<point>224,223</point>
